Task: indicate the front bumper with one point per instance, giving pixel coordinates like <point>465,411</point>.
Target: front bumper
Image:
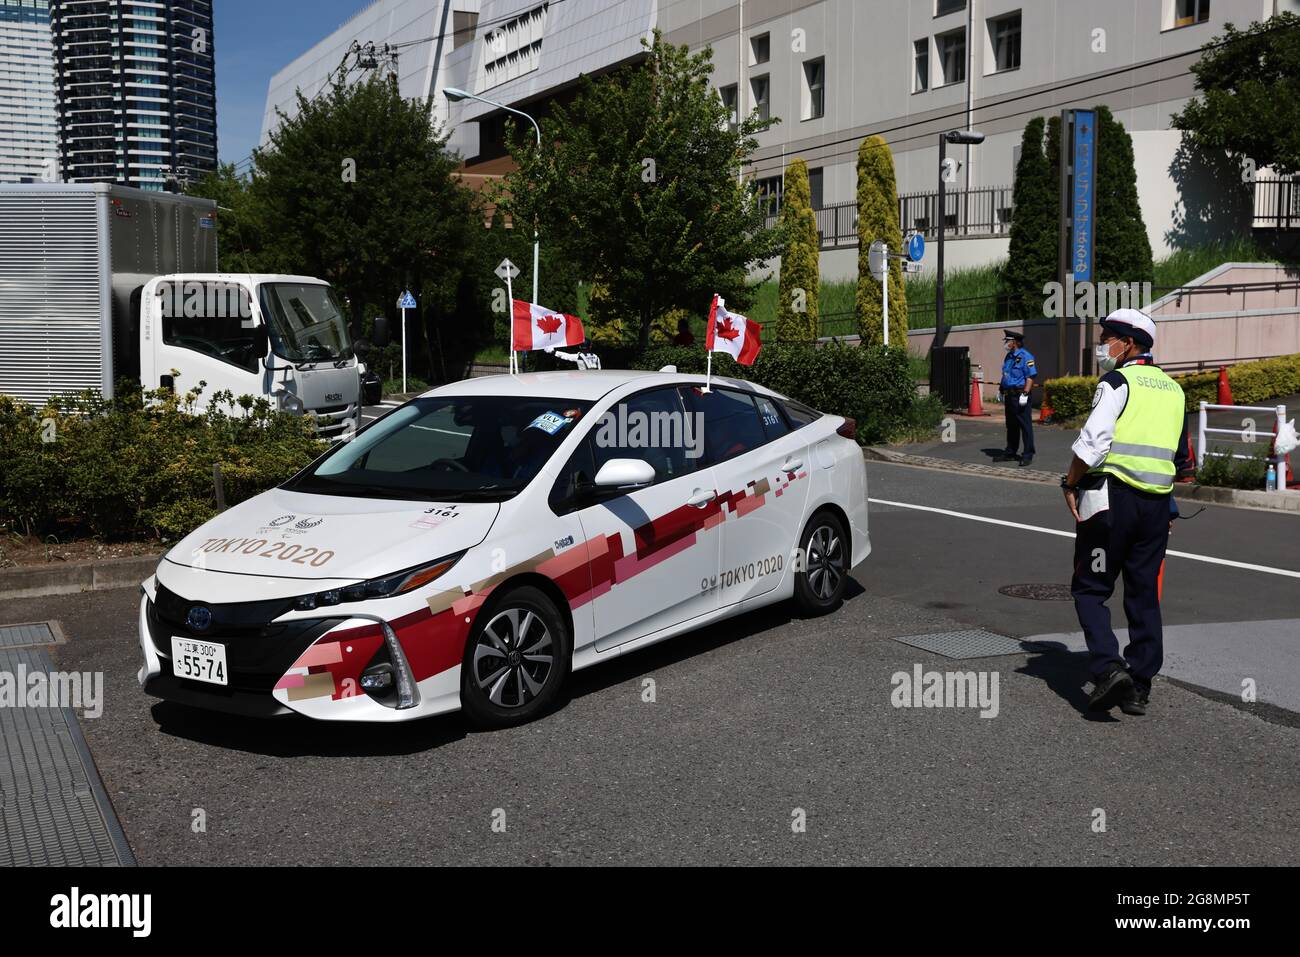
<point>308,666</point>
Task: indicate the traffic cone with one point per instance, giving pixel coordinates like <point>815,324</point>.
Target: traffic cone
<point>1225,387</point>
<point>976,403</point>
<point>1190,474</point>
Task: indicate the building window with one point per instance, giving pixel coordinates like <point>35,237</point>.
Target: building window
<point>815,179</point>
<point>760,49</point>
<point>761,88</point>
<point>944,7</point>
<point>769,192</point>
<point>729,100</point>
<point>1189,12</point>
<point>951,49</point>
<point>921,65</point>
<point>814,89</point>
<point>514,48</point>
<point>1004,38</point>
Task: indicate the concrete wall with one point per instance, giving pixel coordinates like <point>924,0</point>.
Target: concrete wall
<point>1222,326</point>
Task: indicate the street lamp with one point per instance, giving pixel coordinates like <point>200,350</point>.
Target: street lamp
<point>455,95</point>
<point>968,138</point>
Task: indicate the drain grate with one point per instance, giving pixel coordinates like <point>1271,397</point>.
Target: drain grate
<point>53,808</point>
<point>972,643</point>
<point>36,634</point>
<point>1038,592</point>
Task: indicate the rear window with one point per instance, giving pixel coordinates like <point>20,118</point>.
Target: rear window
<point>799,414</point>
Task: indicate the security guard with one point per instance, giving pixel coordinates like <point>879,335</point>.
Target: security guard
<point>1119,492</point>
<point>1018,374</point>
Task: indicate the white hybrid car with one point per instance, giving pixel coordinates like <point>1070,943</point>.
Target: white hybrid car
<point>477,544</point>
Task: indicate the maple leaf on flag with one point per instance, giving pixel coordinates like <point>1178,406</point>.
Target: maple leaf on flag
<point>727,330</point>
<point>549,324</point>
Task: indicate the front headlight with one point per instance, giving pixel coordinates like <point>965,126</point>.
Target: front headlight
<point>290,403</point>
<point>395,584</point>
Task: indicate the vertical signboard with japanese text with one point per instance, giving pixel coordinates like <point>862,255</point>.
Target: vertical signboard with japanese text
<point>1083,196</point>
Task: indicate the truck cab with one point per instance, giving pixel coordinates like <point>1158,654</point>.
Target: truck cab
<point>283,337</point>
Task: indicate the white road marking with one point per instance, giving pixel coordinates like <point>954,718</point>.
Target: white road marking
<point>1052,531</point>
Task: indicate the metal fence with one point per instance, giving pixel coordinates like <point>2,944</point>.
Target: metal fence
<point>976,212</point>
<point>1277,202</point>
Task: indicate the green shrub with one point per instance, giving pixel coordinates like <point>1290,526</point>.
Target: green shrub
<point>131,468</point>
<point>1226,472</point>
<point>1251,382</point>
<point>870,384</point>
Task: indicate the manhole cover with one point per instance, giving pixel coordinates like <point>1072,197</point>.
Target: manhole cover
<point>1042,592</point>
<point>973,643</point>
<point>36,634</point>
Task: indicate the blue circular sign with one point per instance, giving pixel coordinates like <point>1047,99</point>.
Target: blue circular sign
<point>915,247</point>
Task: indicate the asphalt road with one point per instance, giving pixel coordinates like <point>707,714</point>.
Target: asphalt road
<point>751,720</point>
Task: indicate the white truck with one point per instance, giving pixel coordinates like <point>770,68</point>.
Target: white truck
<point>101,283</point>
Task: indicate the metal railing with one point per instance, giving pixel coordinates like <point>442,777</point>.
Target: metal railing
<point>976,212</point>
<point>1276,202</point>
<point>968,212</point>
<point>1244,435</point>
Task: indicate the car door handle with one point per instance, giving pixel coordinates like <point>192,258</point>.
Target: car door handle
<point>701,497</point>
<point>792,464</point>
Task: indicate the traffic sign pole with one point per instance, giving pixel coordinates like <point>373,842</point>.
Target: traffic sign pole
<point>510,323</point>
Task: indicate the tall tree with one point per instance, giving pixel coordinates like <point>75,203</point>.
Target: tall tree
<point>1248,94</point>
<point>878,219</point>
<point>639,180</point>
<point>1032,257</point>
<point>798,291</point>
<point>357,189</point>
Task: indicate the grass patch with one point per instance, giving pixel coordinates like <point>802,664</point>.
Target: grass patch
<point>1184,265</point>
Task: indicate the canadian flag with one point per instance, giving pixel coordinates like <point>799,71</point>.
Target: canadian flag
<point>733,334</point>
<point>536,327</point>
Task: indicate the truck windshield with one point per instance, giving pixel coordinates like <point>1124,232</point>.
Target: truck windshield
<point>305,321</point>
<point>447,448</point>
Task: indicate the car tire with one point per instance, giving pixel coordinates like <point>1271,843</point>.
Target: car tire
<point>517,656</point>
<point>824,566</point>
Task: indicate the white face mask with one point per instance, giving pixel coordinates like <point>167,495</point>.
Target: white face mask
<point>1105,361</point>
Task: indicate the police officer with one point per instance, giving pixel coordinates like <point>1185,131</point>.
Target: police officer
<point>1119,492</point>
<point>1018,374</point>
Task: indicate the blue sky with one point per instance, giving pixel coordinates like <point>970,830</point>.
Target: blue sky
<point>252,40</point>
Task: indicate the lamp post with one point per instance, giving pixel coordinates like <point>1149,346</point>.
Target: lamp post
<point>969,138</point>
<point>455,95</point>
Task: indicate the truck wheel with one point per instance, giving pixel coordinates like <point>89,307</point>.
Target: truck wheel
<point>819,584</point>
<point>516,658</point>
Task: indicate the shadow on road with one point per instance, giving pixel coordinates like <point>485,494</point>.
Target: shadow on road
<point>1064,672</point>
<point>296,736</point>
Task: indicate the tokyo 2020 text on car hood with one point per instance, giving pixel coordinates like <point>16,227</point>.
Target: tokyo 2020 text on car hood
<point>298,536</point>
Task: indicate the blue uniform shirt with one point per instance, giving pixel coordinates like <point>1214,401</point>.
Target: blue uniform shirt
<point>1017,367</point>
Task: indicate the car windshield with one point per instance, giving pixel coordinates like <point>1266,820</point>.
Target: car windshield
<point>447,448</point>
<point>305,321</point>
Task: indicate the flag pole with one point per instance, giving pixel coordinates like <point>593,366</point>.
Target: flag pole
<point>510,326</point>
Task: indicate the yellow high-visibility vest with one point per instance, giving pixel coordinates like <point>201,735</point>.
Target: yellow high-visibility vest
<point>1148,430</point>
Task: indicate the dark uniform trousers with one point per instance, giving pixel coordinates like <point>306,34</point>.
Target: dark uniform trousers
<point>1020,421</point>
<point>1132,537</point>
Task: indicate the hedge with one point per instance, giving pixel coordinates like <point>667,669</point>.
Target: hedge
<point>131,468</point>
<point>1251,382</point>
<point>871,384</point>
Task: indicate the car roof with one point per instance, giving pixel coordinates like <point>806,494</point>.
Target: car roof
<point>588,384</point>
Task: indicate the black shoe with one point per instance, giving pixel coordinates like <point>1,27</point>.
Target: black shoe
<point>1026,460</point>
<point>1135,702</point>
<point>1110,689</point>
<point>1007,457</point>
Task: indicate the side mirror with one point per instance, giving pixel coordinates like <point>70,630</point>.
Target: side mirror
<point>625,473</point>
<point>361,347</point>
<point>380,338</point>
